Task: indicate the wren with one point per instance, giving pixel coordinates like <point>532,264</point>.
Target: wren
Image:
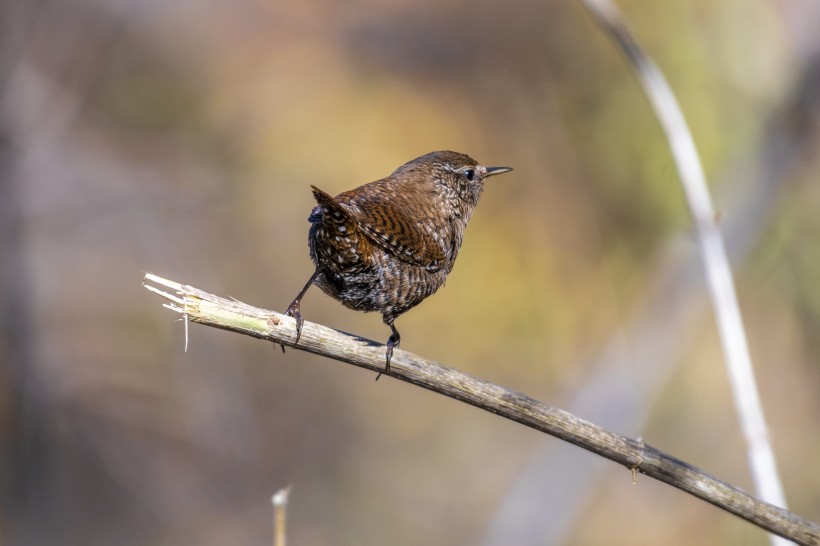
<point>387,245</point>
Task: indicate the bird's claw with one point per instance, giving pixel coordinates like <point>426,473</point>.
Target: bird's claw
<point>392,341</point>
<point>293,311</point>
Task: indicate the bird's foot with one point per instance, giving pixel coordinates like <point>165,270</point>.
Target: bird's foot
<point>393,341</point>
<point>293,311</point>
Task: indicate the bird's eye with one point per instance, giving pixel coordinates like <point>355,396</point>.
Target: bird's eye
<point>469,174</point>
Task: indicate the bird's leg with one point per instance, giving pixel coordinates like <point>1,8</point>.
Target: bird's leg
<point>393,341</point>
<point>293,308</point>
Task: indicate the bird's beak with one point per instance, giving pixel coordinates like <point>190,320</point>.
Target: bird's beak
<point>492,171</point>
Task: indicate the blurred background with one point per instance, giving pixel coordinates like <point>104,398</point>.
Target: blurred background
<point>181,138</point>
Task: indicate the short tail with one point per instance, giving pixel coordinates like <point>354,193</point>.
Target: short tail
<point>337,235</point>
<point>328,209</point>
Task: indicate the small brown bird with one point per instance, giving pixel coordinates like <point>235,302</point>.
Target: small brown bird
<point>387,245</point>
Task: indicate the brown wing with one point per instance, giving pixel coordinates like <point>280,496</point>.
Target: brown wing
<point>399,224</point>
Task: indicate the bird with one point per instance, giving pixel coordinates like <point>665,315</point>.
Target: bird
<point>387,245</point>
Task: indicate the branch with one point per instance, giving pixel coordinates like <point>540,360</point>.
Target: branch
<point>235,316</point>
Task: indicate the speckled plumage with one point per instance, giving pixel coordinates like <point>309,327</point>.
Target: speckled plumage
<point>387,245</point>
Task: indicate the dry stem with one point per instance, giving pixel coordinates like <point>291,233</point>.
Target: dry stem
<point>205,308</point>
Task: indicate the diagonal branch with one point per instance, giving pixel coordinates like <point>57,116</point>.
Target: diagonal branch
<point>205,308</point>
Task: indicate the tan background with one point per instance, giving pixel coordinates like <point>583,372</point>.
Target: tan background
<point>181,137</point>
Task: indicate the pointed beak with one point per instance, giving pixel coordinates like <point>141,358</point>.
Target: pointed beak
<point>492,171</point>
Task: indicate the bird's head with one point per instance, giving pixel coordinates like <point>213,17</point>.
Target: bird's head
<point>459,174</point>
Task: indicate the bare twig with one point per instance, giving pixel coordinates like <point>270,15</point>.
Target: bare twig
<point>280,506</point>
<point>713,253</point>
<point>205,308</point>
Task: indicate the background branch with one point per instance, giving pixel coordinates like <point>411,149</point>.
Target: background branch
<point>737,358</point>
<point>205,308</point>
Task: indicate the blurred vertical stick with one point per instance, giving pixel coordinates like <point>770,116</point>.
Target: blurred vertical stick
<point>280,504</point>
<point>713,253</point>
